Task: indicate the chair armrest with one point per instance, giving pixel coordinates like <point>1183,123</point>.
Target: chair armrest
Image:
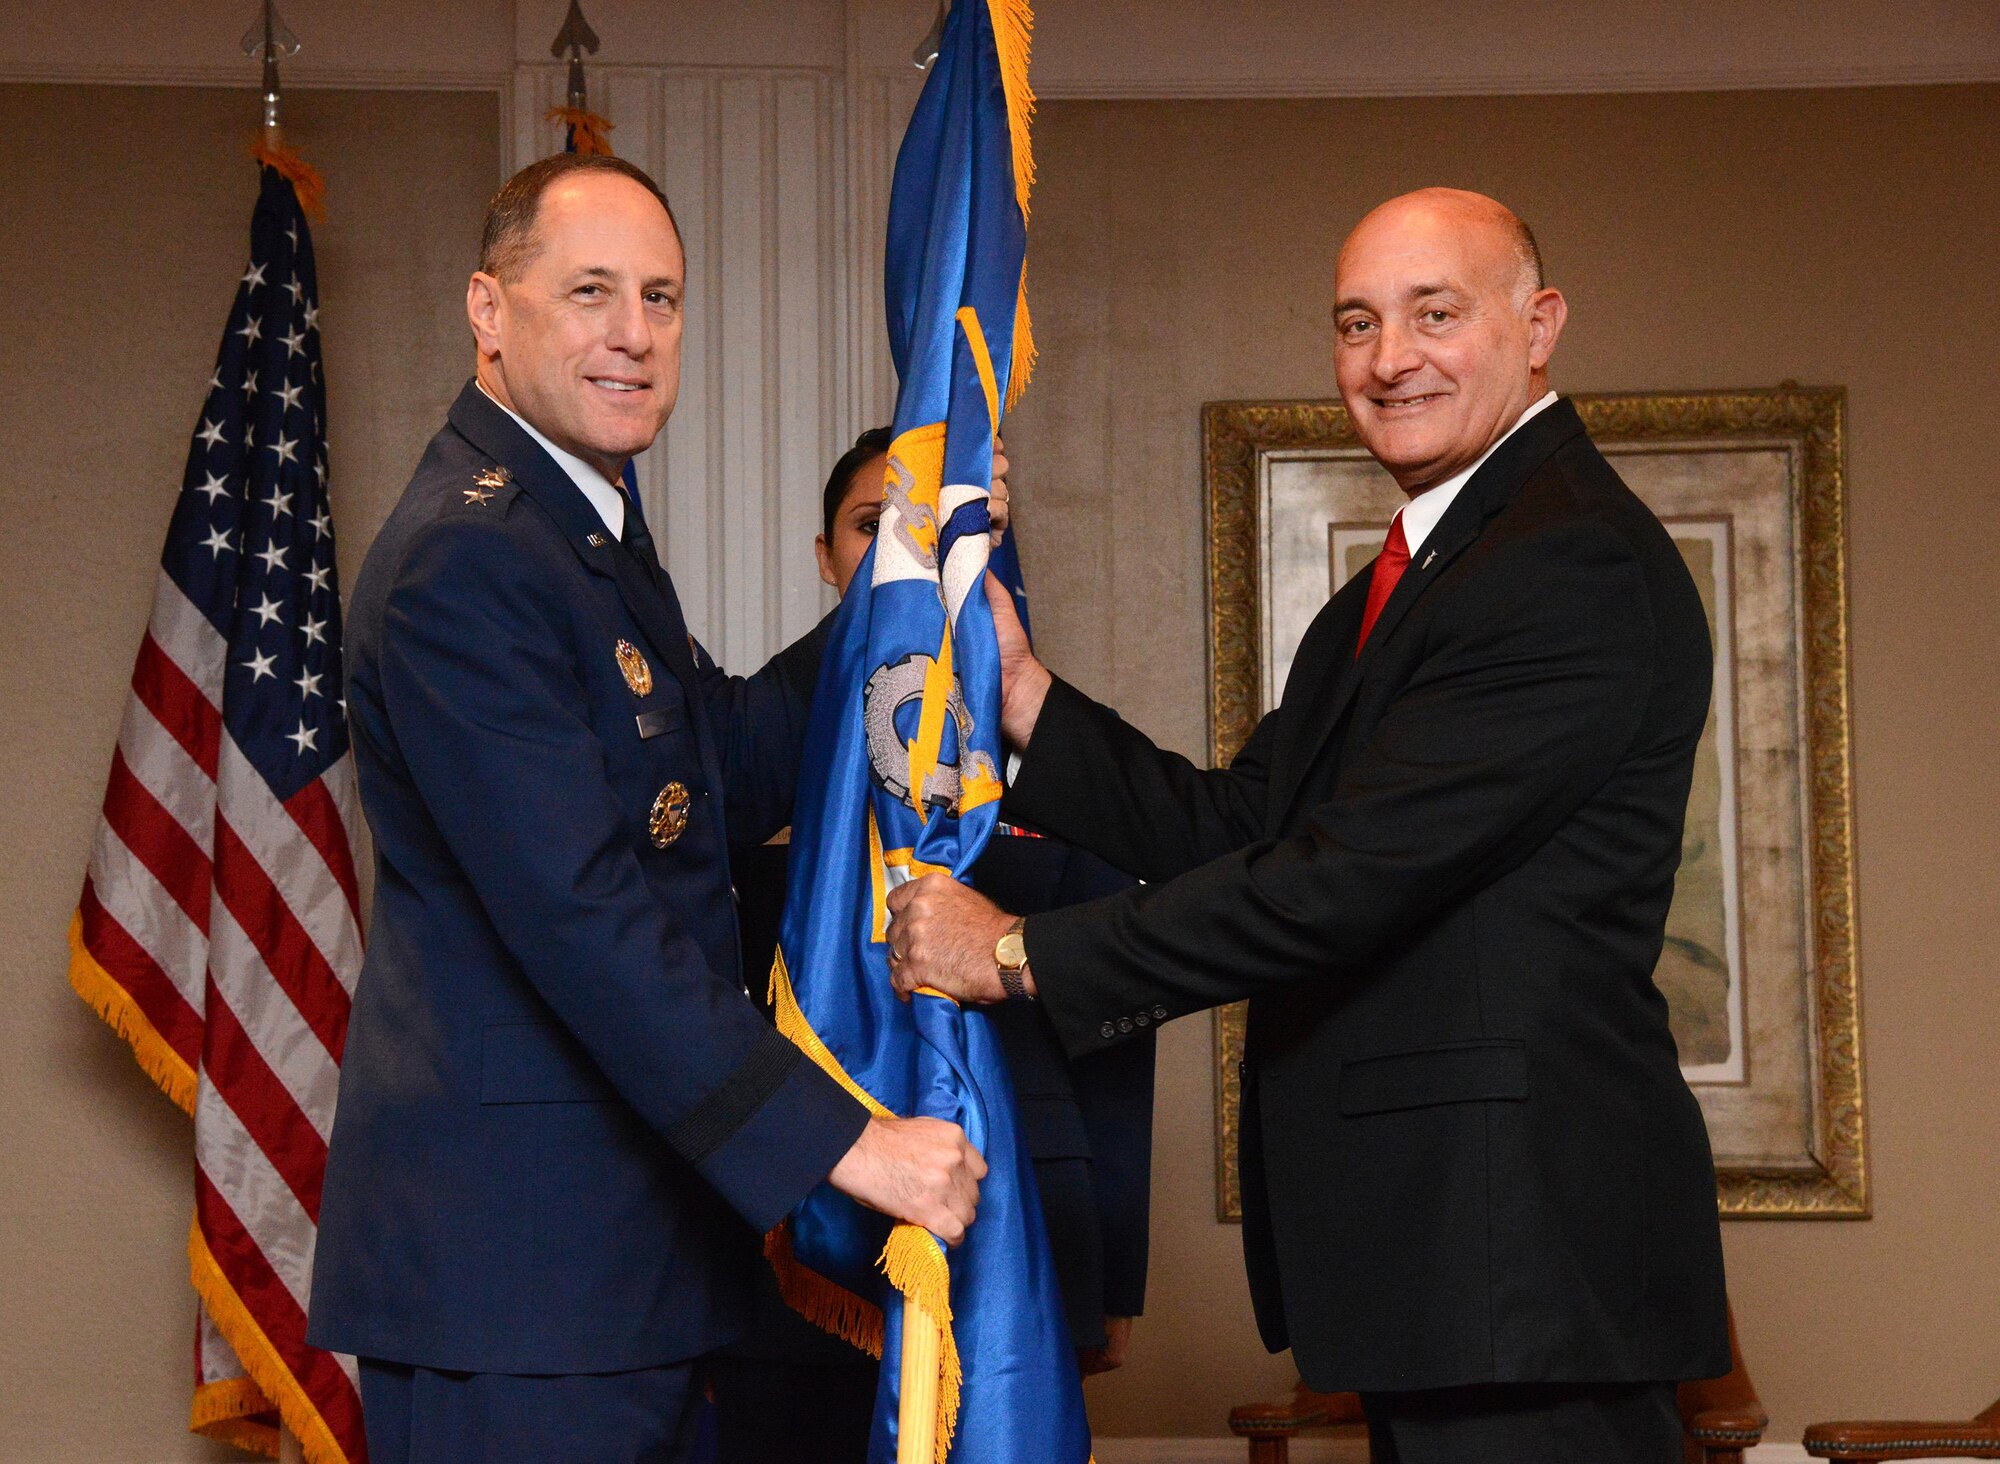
<point>1281,1417</point>
<point>1740,1428</point>
<point>1904,1439</point>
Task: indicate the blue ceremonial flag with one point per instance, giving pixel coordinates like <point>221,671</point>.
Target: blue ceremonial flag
<point>903,777</point>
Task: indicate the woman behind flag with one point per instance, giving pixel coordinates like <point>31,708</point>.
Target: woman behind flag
<point>789,1392</point>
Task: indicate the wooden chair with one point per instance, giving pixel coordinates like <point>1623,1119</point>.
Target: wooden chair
<point>1975,1438</point>
<point>1720,1419</point>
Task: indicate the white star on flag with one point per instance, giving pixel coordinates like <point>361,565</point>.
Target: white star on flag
<point>249,385</point>
<point>308,683</point>
<point>315,629</point>
<point>280,504</point>
<point>306,737</point>
<point>295,343</point>
<point>267,610</point>
<point>286,448</point>
<point>211,432</point>
<point>289,395</point>
<point>214,487</point>
<point>260,667</point>
<point>254,276</point>
<point>316,576</point>
<point>294,288</point>
<point>321,524</point>
<point>217,542</point>
<point>252,331</point>
<point>273,556</point>
<point>312,316</point>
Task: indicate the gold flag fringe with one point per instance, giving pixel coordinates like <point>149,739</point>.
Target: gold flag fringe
<point>916,1266</point>
<point>103,995</point>
<point>826,1304</point>
<point>913,1259</point>
<point>592,132</point>
<point>258,1355</point>
<point>228,1413</point>
<point>303,176</point>
<point>1013,29</point>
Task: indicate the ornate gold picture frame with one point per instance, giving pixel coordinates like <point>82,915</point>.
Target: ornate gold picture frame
<point>1760,968</point>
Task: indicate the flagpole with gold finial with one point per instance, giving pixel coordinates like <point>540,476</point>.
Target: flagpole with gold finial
<point>271,40</point>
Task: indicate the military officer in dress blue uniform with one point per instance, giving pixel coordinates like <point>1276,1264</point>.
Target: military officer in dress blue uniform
<point>562,1124</point>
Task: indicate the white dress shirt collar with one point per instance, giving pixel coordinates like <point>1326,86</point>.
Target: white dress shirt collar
<point>1421,514</point>
<point>604,495</point>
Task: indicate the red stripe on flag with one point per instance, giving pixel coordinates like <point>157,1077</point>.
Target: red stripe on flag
<point>278,1316</point>
<point>178,704</point>
<point>294,961</point>
<point>142,978</point>
<point>157,840</point>
<point>263,1104</point>
<point>318,818</point>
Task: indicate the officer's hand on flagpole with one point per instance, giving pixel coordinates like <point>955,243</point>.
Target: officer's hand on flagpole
<point>920,1170</point>
<point>942,935</point>
<point>1024,681</point>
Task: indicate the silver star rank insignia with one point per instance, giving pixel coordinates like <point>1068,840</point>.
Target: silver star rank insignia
<point>484,482</point>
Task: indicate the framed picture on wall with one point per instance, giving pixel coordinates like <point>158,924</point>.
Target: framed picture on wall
<point>1759,967</point>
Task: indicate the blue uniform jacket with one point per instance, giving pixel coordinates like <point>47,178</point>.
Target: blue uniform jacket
<point>562,1124</point>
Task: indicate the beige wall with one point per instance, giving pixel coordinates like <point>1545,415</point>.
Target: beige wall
<point>127,218</point>
<point>1182,253</point>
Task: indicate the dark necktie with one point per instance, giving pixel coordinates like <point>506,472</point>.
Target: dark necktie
<point>1389,567</point>
<point>639,544</point>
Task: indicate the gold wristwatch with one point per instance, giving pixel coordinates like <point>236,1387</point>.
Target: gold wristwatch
<point>1010,954</point>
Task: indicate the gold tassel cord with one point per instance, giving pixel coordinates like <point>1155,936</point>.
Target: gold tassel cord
<point>591,132</point>
<point>303,176</point>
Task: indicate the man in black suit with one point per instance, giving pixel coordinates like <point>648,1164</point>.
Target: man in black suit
<point>1476,1188</point>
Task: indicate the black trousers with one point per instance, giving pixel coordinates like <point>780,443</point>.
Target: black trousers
<point>421,1415</point>
<point>789,1411</point>
<point>1526,1423</point>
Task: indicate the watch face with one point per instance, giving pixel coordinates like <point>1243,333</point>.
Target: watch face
<point>1011,952</point>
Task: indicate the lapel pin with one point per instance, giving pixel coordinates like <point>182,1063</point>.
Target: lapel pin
<point>1427,559</point>
<point>596,541</point>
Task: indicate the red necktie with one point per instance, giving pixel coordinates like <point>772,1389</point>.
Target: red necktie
<point>1395,558</point>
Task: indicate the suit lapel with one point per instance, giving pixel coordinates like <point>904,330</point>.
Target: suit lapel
<point>649,598</point>
<point>1487,492</point>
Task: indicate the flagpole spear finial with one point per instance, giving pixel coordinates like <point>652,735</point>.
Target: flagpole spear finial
<point>577,40</point>
<point>272,40</point>
<point>927,49</point>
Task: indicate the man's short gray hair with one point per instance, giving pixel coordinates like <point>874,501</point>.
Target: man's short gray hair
<point>508,241</point>
<point>1528,254</point>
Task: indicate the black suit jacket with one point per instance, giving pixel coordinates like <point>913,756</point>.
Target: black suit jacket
<point>1441,874</point>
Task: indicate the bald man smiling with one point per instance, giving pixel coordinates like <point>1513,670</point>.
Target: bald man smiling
<point>1476,1188</point>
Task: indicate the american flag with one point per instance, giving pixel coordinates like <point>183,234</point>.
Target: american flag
<point>219,930</point>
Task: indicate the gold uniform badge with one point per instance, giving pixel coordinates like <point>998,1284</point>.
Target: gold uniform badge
<point>638,675</point>
<point>669,819</point>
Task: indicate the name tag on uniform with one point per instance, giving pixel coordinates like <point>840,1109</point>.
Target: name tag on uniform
<point>653,723</point>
